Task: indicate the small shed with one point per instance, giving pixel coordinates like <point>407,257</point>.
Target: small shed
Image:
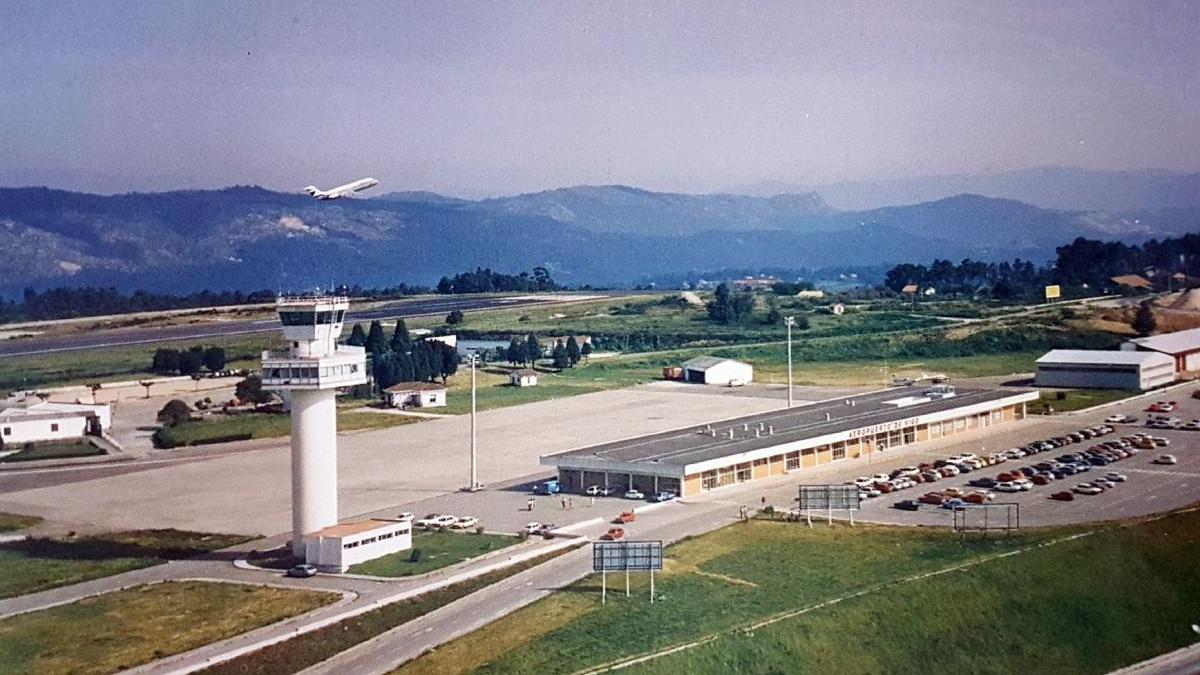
<point>524,377</point>
<point>416,395</point>
<point>716,370</point>
<point>337,547</point>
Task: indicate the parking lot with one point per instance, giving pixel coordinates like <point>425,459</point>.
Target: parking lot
<point>1149,487</point>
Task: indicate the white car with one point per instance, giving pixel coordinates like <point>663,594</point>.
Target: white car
<point>1100,482</point>
<point>404,515</point>
<point>880,478</point>
<point>1023,483</point>
<point>908,471</point>
<point>870,491</point>
<point>634,494</point>
<point>443,522</point>
<point>464,523</point>
<point>429,520</point>
<point>1014,453</point>
<point>531,527</point>
<point>1165,459</point>
<point>863,481</point>
<point>1088,489</point>
<point>1116,477</point>
<point>600,490</point>
<point>1007,486</point>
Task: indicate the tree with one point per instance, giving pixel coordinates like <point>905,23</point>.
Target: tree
<point>358,336</point>
<point>774,317</point>
<point>454,318</point>
<point>586,350</point>
<point>250,390</point>
<point>1144,322</point>
<point>191,361</point>
<point>573,351</point>
<point>533,350</point>
<point>450,361</point>
<point>376,342</point>
<point>516,351</point>
<point>174,413</point>
<point>401,340</point>
<point>559,354</point>
<point>214,359</point>
<point>728,307</point>
<point>165,361</point>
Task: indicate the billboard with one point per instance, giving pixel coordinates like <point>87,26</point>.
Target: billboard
<point>1053,292</point>
<point>621,556</point>
<point>824,497</point>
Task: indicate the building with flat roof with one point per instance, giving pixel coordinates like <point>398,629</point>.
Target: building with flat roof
<point>416,395</point>
<point>35,421</point>
<point>523,377</point>
<point>1182,346</point>
<point>1098,369</point>
<point>700,458</point>
<point>337,547</point>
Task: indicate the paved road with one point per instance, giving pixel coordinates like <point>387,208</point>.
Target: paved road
<point>212,329</point>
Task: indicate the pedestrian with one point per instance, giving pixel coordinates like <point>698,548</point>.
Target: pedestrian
<point>529,504</point>
<point>571,503</point>
<point>563,501</point>
<point>593,501</point>
<point>764,500</point>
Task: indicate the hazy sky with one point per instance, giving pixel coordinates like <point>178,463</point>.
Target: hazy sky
<point>479,98</point>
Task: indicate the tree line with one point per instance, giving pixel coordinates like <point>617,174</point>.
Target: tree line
<point>1083,261</point>
<point>67,303</point>
<point>399,358</point>
<point>188,361</point>
<point>484,280</point>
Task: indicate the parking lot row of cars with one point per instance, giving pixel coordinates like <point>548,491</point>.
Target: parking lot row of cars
<point>1024,478</point>
<point>441,521</point>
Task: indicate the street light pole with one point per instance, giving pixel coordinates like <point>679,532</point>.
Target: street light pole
<point>474,484</point>
<point>789,322</point>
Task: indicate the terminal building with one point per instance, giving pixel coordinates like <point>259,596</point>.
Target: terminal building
<point>701,458</point>
<point>1098,369</point>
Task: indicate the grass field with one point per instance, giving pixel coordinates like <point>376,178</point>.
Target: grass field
<point>123,629</point>
<point>1086,605</point>
<point>305,650</point>
<point>268,425</point>
<point>1077,399</point>
<point>12,521</point>
<point>54,450</point>
<point>438,550</point>
<point>38,564</point>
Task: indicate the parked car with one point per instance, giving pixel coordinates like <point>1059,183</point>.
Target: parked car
<point>1194,425</point>
<point>935,498</point>
<point>442,522</point>
<point>949,471</point>
<point>545,530</point>
<point>1165,459</point>
<point>881,478</point>
<point>1116,477</point>
<point>978,497</point>
<point>1063,496</point>
<point>302,571</point>
<point>404,515</point>
<point>663,497</point>
<point>931,476</point>
<point>1121,419</point>
<point>600,490</point>
<point>464,523</point>
<point>953,504</point>
<point>614,534</point>
<point>906,505</point>
<point>1088,489</point>
<point>625,517</point>
<point>1007,486</point>
<point>953,492</point>
<point>982,482</point>
<point>885,487</point>
<point>1102,483</point>
<point>429,520</point>
<point>531,528</point>
<point>634,494</point>
<point>548,487</point>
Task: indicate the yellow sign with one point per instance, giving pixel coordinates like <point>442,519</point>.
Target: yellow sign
<point>1053,292</point>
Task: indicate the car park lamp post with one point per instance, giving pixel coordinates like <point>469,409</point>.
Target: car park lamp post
<point>474,484</point>
<point>789,321</point>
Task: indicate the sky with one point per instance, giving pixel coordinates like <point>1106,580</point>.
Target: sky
<point>483,98</point>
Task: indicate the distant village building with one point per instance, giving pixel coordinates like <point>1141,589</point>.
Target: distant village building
<point>523,377</point>
<point>763,283</point>
<point>910,289</point>
<point>416,395</point>
<point>1132,281</point>
<point>812,294</point>
<point>929,291</point>
<point>30,422</point>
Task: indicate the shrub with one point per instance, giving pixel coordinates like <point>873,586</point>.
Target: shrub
<point>415,556</point>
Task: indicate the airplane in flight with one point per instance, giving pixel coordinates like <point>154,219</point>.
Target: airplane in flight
<point>341,190</point>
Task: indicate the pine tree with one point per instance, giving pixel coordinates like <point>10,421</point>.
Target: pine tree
<point>358,337</point>
<point>376,342</point>
<point>586,351</point>
<point>516,351</point>
<point>533,350</point>
<point>401,340</point>
<point>1144,322</point>
<point>559,354</point>
<point>573,352</point>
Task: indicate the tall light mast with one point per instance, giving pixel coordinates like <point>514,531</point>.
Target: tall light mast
<point>309,374</point>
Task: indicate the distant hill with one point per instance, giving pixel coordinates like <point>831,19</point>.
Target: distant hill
<point>1064,188</point>
<point>249,238</point>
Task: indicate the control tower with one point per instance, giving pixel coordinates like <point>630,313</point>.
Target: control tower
<point>309,374</point>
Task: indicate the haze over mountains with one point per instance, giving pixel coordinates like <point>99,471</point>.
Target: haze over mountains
<point>251,238</point>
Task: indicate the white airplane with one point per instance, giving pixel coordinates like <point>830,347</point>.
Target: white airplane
<point>341,190</point>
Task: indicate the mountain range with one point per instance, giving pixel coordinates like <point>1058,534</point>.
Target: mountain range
<point>252,238</point>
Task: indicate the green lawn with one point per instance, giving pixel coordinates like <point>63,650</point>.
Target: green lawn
<point>1087,605</point>
<point>123,629</point>
<point>13,521</point>
<point>38,564</point>
<point>1077,399</point>
<point>56,450</point>
<point>438,550</point>
<point>266,425</point>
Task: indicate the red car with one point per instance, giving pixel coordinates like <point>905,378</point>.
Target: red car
<point>935,498</point>
<point>614,534</point>
<point>1063,496</point>
<point>885,487</point>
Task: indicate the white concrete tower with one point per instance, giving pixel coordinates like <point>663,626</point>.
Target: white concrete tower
<point>309,373</point>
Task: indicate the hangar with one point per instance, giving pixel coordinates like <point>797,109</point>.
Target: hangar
<point>696,459</point>
<point>1097,369</point>
<point>1183,346</point>
<point>716,370</point>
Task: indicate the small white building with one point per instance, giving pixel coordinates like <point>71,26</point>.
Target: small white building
<point>523,377</point>
<point>1096,369</point>
<point>337,547</point>
<point>811,294</point>
<point>416,395</point>
<point>1182,346</point>
<point>31,422</point>
<point>716,370</point>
